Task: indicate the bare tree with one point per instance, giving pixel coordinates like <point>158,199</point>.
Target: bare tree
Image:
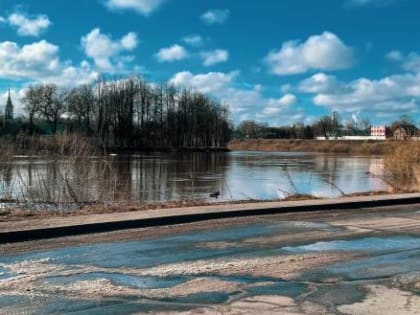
<point>32,104</point>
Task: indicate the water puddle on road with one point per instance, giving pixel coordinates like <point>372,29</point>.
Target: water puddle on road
<point>179,274</point>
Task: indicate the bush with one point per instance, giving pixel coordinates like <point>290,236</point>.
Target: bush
<point>402,166</point>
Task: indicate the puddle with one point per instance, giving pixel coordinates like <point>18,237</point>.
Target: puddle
<point>382,266</point>
<point>340,283</point>
<point>370,244</point>
<point>135,282</point>
<point>143,254</point>
<point>123,306</point>
<point>5,274</point>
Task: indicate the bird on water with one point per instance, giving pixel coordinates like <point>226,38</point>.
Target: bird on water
<point>215,195</point>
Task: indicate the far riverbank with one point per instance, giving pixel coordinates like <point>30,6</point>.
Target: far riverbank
<point>340,147</point>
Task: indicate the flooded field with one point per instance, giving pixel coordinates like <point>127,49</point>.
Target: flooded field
<point>166,177</point>
<point>352,264</point>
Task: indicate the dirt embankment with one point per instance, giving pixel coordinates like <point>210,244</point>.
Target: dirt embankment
<point>345,147</point>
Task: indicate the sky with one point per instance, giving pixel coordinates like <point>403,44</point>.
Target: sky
<point>274,61</point>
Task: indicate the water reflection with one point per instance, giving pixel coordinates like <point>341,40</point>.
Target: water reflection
<point>179,176</point>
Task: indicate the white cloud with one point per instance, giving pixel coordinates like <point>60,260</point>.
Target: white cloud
<point>40,62</point>
<point>29,60</point>
<point>28,26</point>
<point>2,20</point>
<point>318,52</point>
<point>394,55</point>
<point>129,41</point>
<point>215,16</point>
<point>211,58</point>
<point>410,62</point>
<point>392,94</point>
<point>278,106</point>
<point>173,53</point>
<point>144,7</point>
<point>288,100</point>
<point>362,3</point>
<point>106,52</point>
<point>245,103</point>
<point>193,40</point>
<point>207,83</point>
<point>319,83</point>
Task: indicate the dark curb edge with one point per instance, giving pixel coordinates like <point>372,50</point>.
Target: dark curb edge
<point>101,227</point>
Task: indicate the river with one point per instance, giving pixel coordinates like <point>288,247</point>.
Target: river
<point>160,177</point>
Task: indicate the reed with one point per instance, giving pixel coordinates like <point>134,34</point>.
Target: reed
<point>77,173</point>
<point>402,166</point>
<point>337,147</point>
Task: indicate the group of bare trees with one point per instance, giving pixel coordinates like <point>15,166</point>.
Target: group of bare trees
<point>326,126</point>
<point>130,113</point>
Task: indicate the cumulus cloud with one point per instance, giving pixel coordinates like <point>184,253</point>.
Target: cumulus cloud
<point>29,60</point>
<point>389,95</point>
<point>144,7</point>
<point>211,58</point>
<point>173,53</point>
<point>108,54</point>
<point>28,26</point>
<point>319,52</point>
<point>245,103</point>
<point>40,62</point>
<point>193,40</point>
<point>207,83</point>
<point>319,83</point>
<point>278,106</point>
<point>410,62</point>
<point>288,100</point>
<point>394,55</point>
<point>362,3</point>
<point>215,16</point>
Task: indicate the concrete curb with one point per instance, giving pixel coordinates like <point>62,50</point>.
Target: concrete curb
<point>154,218</point>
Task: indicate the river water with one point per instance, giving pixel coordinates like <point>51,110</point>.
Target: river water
<point>157,177</point>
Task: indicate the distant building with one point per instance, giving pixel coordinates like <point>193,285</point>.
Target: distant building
<point>378,131</point>
<point>401,134</point>
<point>8,113</point>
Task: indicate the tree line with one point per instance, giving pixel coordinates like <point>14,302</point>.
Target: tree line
<point>325,126</point>
<point>128,113</point>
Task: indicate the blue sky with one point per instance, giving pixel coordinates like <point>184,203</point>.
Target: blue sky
<point>278,62</point>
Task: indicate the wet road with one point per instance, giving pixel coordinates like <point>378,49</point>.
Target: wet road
<point>355,263</point>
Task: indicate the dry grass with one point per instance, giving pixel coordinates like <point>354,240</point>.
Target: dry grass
<point>402,166</point>
<point>81,174</point>
<point>16,213</point>
<point>339,147</point>
<point>58,145</point>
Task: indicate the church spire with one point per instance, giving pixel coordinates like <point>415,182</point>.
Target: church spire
<point>8,115</point>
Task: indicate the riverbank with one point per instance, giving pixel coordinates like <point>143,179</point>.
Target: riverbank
<point>338,147</point>
<point>68,144</point>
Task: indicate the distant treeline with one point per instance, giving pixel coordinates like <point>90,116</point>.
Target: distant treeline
<point>326,126</point>
<point>126,114</point>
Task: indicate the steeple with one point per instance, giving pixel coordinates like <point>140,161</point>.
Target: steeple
<point>8,115</point>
